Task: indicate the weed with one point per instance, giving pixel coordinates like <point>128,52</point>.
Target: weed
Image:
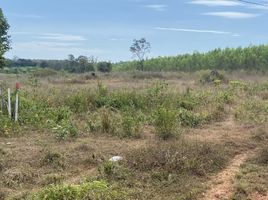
<point>96,190</point>
<point>197,159</point>
<point>65,129</point>
<point>165,123</point>
<point>131,126</point>
<point>189,119</point>
<point>53,159</point>
<point>81,101</point>
<point>213,76</point>
<point>252,110</point>
<point>14,177</point>
<point>107,121</point>
<point>49,179</point>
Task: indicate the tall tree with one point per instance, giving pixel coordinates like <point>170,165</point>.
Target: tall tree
<point>139,49</point>
<point>4,38</point>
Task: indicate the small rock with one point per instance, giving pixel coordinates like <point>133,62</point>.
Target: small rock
<point>8,143</point>
<point>116,158</point>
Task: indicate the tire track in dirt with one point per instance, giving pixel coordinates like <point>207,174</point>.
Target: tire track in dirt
<point>221,186</point>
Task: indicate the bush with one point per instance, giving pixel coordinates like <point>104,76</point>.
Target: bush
<point>211,76</point>
<point>104,66</point>
<point>165,123</point>
<point>38,72</point>
<point>125,99</point>
<point>131,126</point>
<point>113,171</point>
<point>53,159</point>
<point>7,125</point>
<point>81,101</point>
<point>64,129</point>
<point>190,119</point>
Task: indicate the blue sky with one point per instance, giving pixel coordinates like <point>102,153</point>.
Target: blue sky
<point>52,29</point>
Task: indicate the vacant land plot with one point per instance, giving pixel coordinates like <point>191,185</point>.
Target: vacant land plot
<point>180,136</point>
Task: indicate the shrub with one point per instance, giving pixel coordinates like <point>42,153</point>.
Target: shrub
<point>60,114</point>
<point>44,72</point>
<point>211,76</point>
<point>131,126</point>
<point>165,122</point>
<point>81,101</point>
<point>49,179</point>
<point>7,125</point>
<point>190,119</point>
<point>125,100</point>
<point>106,121</point>
<point>104,66</point>
<point>53,159</point>
<point>64,129</point>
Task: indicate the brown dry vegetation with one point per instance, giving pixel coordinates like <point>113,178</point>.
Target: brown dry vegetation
<point>214,153</point>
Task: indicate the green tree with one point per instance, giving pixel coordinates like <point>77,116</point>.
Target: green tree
<point>4,38</point>
<point>44,64</point>
<point>139,49</point>
<point>85,65</point>
<point>104,67</point>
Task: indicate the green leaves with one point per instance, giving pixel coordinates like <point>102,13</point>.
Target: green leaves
<point>4,38</point>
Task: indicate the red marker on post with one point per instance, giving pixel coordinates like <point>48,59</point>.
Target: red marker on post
<point>18,86</point>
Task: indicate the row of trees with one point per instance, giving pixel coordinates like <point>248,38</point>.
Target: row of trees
<point>249,58</point>
<point>80,64</point>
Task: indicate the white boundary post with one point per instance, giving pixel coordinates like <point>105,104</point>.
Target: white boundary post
<point>1,99</point>
<point>9,102</point>
<point>17,106</point>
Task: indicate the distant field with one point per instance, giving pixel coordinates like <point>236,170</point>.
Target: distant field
<point>182,136</point>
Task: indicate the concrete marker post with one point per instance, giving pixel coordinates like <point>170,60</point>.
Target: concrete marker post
<point>9,102</point>
<point>17,102</point>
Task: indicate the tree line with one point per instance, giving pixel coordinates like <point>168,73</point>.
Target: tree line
<point>81,64</point>
<point>249,58</point>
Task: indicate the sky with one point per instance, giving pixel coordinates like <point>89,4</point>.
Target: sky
<point>53,29</point>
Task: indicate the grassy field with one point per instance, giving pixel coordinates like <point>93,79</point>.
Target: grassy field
<point>181,136</point>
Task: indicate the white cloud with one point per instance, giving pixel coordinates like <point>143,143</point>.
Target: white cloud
<point>52,36</point>
<point>61,37</point>
<point>232,15</point>
<point>231,3</point>
<point>193,30</point>
<point>54,46</point>
<point>216,2</point>
<point>259,7</point>
<point>117,39</point>
<point>157,7</point>
<point>236,35</point>
<point>20,33</point>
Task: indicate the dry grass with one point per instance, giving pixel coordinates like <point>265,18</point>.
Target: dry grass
<point>152,169</point>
